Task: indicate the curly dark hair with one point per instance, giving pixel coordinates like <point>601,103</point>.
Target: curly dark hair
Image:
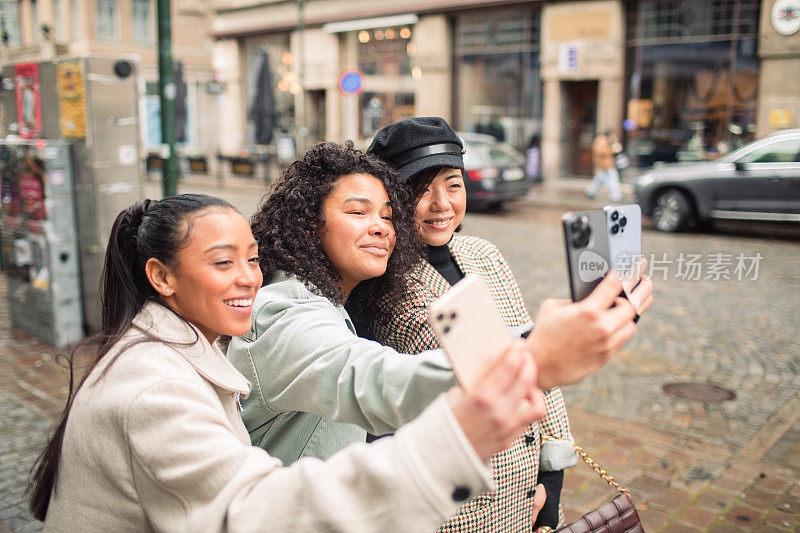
<point>287,224</point>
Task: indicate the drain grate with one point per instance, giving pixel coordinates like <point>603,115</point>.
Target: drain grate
<point>700,392</point>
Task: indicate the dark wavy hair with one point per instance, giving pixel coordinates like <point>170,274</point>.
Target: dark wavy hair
<point>158,229</point>
<point>288,222</point>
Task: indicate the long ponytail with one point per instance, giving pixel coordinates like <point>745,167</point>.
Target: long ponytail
<point>146,229</point>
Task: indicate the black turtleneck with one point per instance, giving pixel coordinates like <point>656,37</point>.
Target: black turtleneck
<point>442,260</point>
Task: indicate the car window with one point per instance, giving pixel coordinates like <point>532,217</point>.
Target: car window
<point>496,154</point>
<point>786,151</point>
<point>505,155</point>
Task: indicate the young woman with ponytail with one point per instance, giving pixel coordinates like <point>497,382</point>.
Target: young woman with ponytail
<point>151,438</point>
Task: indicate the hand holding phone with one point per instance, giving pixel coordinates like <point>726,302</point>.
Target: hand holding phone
<point>587,251</point>
<point>470,329</point>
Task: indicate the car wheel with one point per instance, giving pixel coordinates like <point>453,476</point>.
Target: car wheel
<point>672,211</point>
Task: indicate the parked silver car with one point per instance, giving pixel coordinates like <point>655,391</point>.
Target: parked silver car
<point>494,171</point>
<point>759,181</point>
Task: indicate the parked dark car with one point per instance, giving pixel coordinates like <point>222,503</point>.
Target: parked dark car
<point>759,181</point>
<point>494,171</point>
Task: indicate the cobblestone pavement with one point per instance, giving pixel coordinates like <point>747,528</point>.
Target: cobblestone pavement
<point>726,466</point>
<point>32,394</point>
<point>691,466</point>
<point>742,335</point>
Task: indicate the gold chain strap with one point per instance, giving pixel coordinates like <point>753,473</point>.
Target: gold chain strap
<point>608,478</point>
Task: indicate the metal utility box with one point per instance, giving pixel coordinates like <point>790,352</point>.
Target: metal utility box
<point>39,240</point>
<point>93,103</point>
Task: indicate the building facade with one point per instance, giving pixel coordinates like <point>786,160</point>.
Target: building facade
<point>35,30</point>
<point>675,79</point>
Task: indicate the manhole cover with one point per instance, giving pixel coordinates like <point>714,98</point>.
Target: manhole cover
<point>701,392</point>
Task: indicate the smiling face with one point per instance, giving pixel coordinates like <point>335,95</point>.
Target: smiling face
<point>357,234</point>
<point>441,207</point>
<point>217,276</point>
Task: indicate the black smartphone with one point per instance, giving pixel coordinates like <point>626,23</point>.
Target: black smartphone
<point>587,250</point>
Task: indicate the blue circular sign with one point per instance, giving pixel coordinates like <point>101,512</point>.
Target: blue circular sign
<point>351,81</point>
<point>628,124</point>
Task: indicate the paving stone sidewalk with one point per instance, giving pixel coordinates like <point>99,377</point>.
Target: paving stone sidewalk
<point>679,483</point>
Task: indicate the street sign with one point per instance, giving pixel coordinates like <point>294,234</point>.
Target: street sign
<point>351,82</point>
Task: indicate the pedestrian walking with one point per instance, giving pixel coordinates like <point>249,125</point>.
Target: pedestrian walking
<point>604,150</point>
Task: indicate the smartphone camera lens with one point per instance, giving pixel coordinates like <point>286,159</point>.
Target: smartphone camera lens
<point>623,221</point>
<point>581,238</point>
<point>575,225</point>
<point>614,229</point>
<point>615,216</point>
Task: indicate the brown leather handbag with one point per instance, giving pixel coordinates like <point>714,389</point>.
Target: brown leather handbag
<point>617,516</point>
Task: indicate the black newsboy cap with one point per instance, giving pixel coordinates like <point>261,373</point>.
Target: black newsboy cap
<point>414,145</point>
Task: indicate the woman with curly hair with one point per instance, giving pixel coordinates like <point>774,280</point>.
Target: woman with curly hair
<point>151,439</point>
<point>337,225</point>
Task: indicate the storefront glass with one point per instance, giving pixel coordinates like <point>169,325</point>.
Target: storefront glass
<point>285,81</point>
<point>381,109</point>
<point>384,56</point>
<point>497,85</point>
<point>693,78</point>
<point>385,51</point>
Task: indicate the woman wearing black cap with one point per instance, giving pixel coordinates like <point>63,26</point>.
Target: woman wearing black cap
<point>428,155</point>
<point>337,224</point>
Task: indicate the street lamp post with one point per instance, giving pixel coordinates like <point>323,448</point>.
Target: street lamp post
<point>167,91</point>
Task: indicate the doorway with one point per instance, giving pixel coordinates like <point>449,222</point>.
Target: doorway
<point>579,117</point>
<point>315,116</point>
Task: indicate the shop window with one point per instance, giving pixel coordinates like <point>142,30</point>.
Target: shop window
<point>152,115</point>
<point>285,82</point>
<point>668,19</point>
<point>497,75</point>
<point>385,51</point>
<point>381,109</point>
<point>687,100</point>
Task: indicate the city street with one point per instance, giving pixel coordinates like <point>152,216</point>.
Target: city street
<point>696,465</point>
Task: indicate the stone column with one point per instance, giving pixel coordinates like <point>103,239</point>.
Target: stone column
<point>434,59</point>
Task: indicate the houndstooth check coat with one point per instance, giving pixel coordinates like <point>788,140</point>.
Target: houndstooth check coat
<point>402,324</point>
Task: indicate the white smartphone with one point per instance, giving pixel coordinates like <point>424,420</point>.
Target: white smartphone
<point>469,328</point>
<point>624,231</point>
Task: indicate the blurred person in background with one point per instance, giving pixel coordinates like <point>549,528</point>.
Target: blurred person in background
<point>604,149</point>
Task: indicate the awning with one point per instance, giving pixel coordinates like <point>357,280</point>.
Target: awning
<point>366,24</point>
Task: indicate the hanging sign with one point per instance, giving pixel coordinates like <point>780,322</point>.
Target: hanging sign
<point>29,102</point>
<point>71,100</point>
<point>351,82</point>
